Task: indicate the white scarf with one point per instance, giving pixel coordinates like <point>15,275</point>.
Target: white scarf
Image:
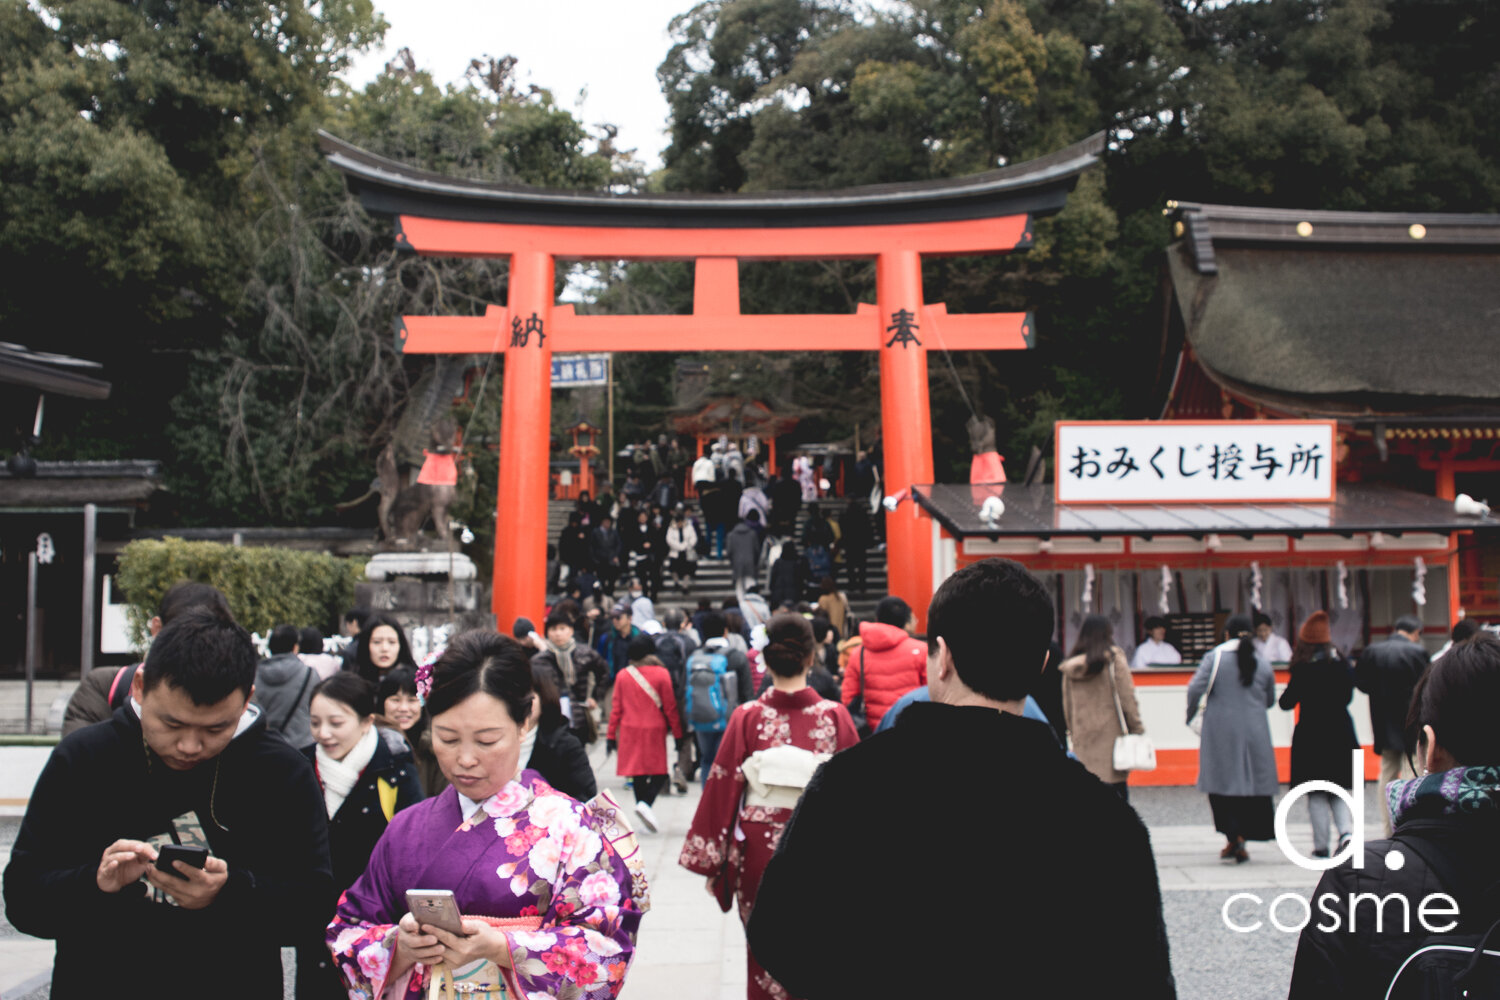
<point>528,744</point>
<point>339,776</point>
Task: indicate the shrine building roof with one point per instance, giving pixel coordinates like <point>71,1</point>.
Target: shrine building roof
<point>1355,316</point>
<point>1037,187</point>
<point>1032,511</point>
<point>47,372</point>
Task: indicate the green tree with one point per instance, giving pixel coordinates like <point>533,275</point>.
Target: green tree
<point>128,136</point>
<point>284,417</point>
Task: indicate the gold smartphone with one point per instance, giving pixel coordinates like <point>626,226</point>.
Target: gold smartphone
<point>435,908</point>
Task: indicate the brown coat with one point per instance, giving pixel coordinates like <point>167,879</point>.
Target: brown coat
<point>1093,721</point>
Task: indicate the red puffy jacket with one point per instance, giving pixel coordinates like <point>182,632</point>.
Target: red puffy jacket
<point>893,663</point>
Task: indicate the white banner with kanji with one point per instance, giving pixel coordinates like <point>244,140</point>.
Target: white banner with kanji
<point>1179,461</point>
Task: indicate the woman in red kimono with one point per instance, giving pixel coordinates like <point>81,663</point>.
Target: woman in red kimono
<point>770,749</point>
<point>643,710</point>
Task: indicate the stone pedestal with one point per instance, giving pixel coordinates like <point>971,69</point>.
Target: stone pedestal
<point>412,587</point>
<point>429,565</point>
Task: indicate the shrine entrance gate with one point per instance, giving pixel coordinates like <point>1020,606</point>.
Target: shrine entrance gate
<point>894,224</point>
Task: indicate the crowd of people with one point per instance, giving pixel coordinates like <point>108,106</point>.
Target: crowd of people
<point>651,539</point>
<point>424,829</point>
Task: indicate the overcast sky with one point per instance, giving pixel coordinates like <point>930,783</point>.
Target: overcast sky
<point>598,57</point>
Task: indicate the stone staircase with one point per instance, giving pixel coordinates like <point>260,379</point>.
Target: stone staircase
<point>713,579</point>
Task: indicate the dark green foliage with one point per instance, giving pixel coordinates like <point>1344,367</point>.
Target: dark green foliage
<point>165,210</point>
<point>265,587</point>
<point>1343,104</point>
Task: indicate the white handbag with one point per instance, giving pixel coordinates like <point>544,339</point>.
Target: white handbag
<point>1196,722</point>
<point>1133,751</point>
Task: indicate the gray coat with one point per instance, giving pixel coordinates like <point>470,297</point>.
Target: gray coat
<point>283,689</point>
<point>743,544</point>
<point>1236,757</point>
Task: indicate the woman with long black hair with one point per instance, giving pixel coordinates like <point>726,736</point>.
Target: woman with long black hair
<point>1233,687</point>
<point>381,646</point>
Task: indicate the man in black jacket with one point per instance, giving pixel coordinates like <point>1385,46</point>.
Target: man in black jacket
<point>604,553</point>
<point>1388,672</point>
<point>187,760</point>
<point>968,817</point>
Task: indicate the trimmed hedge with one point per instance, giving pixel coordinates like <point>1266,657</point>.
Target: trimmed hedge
<point>266,587</point>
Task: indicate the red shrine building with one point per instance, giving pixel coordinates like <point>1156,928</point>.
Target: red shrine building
<point>1383,322</point>
<point>1370,331</point>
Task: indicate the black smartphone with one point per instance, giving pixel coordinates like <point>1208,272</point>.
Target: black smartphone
<point>195,856</point>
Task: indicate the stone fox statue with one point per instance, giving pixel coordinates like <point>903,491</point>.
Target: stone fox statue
<point>404,509</point>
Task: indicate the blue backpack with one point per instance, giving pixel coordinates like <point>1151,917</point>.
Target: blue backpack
<point>712,691</point>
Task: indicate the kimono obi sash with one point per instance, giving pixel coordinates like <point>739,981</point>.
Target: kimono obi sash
<point>482,979</point>
<point>775,777</point>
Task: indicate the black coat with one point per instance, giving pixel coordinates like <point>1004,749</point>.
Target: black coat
<point>1325,733</point>
<point>604,547</point>
<point>1361,965</point>
<point>644,540</point>
<point>1047,690</point>
<point>1387,672</point>
<point>352,834</point>
<point>673,649</point>
<point>562,760</point>
<point>856,532</point>
<point>261,811</point>
<point>354,829</point>
<point>573,547</point>
<point>788,580</point>
<point>1025,855</point>
<point>586,664</point>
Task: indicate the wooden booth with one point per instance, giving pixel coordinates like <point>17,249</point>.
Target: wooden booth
<point>1366,554</point>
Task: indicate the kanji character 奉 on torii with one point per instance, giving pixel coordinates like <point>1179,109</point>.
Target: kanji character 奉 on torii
<point>895,224</point>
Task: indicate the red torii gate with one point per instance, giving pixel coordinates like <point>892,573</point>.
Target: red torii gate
<point>896,224</point>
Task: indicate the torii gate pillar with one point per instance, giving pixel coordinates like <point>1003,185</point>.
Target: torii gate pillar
<point>525,443</point>
<point>906,424</point>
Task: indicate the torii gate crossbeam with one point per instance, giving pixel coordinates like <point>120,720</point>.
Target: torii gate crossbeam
<point>896,225</point>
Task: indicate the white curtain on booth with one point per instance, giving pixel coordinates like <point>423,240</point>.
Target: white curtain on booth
<point>1348,624</point>
<point>1276,600</point>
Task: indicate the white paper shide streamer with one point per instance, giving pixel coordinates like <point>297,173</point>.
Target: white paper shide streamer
<point>1256,580</point>
<point>1166,588</point>
<point>1419,583</point>
<point>1343,584</point>
<point>1088,588</point>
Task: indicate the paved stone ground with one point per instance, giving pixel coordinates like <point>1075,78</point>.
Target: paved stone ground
<point>688,950</point>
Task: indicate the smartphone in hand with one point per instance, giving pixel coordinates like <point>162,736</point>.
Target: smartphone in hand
<point>435,908</point>
<point>168,853</point>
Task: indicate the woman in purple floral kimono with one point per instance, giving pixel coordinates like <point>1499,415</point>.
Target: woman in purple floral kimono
<point>550,907</point>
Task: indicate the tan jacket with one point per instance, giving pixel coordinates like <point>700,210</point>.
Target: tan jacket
<point>1093,722</point>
